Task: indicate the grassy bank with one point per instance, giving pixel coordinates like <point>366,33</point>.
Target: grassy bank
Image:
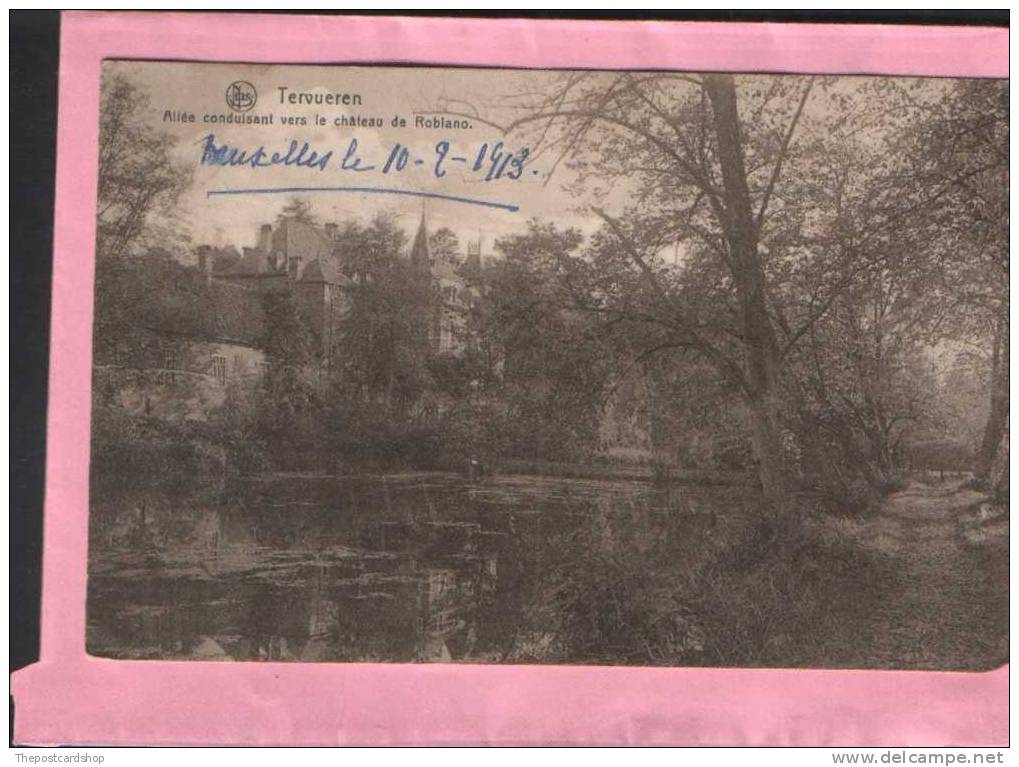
<point>922,583</point>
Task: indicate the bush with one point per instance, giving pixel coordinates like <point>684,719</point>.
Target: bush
<point>741,592</point>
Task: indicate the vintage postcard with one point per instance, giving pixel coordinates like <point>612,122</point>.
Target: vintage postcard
<point>501,381</point>
<point>418,364</point>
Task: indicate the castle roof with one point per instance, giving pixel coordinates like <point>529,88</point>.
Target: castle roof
<point>324,270</point>
<point>292,238</point>
<point>253,262</point>
<point>303,239</point>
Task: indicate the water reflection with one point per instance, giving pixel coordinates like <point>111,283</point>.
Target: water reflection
<point>398,568</point>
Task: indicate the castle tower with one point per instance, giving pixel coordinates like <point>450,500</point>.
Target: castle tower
<point>474,255</point>
<point>422,299</point>
<point>420,258</point>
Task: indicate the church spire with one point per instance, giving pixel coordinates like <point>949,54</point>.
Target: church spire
<point>420,258</point>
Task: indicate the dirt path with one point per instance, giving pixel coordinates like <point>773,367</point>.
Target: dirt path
<point>947,606</point>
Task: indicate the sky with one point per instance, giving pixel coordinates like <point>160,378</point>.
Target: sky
<point>386,92</point>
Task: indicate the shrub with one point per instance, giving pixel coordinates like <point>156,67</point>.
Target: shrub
<point>739,592</point>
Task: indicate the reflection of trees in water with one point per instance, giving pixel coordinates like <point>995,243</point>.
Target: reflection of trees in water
<point>526,570</point>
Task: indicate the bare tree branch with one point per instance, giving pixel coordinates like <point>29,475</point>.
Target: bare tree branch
<point>777,170</point>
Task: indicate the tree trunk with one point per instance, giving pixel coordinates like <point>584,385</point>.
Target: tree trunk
<point>767,443</point>
<point>759,344</point>
<point>997,418</point>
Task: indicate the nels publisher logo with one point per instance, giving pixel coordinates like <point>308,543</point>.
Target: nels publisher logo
<point>241,96</point>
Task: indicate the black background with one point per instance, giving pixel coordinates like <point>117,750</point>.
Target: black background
<point>34,37</point>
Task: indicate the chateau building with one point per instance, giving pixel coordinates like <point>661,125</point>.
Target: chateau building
<point>213,328</point>
<point>297,256</point>
<point>303,258</point>
<point>448,288</point>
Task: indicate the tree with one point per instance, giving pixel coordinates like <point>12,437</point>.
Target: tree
<point>682,142</point>
<point>383,341</point>
<point>139,282</point>
<point>139,180</point>
<point>803,228</point>
<point>553,370</point>
<point>288,391</point>
<point>299,209</point>
<point>444,246</point>
<point>740,227</point>
<point>961,148</point>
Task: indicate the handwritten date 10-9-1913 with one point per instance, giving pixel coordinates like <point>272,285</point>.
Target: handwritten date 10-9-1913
<point>489,161</point>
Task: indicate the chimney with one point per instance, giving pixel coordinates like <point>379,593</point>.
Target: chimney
<point>205,259</point>
<point>264,236</point>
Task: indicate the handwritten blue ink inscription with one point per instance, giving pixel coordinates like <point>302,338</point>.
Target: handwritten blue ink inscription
<point>297,154</point>
<point>489,162</point>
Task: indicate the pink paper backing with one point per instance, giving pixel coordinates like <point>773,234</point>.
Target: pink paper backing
<point>70,698</point>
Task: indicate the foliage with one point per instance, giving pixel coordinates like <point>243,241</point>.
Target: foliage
<point>287,405</point>
<point>139,180</point>
<point>298,209</point>
<point>443,245</point>
<point>797,253</point>
<point>712,588</point>
<point>804,279</point>
<point>553,370</point>
<point>383,338</point>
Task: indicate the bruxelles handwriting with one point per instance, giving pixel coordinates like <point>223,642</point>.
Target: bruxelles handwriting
<point>489,162</point>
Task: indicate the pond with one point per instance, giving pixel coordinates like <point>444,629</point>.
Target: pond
<point>401,568</point>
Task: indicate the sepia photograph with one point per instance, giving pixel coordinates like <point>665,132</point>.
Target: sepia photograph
<point>588,367</point>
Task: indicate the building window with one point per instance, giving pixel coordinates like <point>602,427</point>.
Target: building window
<point>447,336</point>
<point>173,360</point>
<point>219,368</point>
